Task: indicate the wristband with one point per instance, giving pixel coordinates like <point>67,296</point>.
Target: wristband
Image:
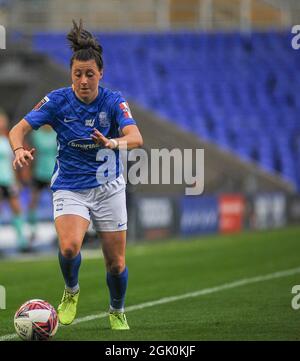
<point>18,148</point>
<point>115,143</point>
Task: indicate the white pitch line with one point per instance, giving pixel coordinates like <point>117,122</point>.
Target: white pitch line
<point>205,291</point>
<point>86,254</point>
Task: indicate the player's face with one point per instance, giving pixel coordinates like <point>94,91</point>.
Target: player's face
<point>85,79</point>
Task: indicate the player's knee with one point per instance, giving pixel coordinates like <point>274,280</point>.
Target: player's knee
<point>117,267</point>
<point>69,252</point>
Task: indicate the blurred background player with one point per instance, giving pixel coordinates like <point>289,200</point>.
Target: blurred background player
<point>8,186</point>
<point>44,141</point>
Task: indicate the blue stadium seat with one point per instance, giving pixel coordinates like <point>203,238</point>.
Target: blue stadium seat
<point>238,91</point>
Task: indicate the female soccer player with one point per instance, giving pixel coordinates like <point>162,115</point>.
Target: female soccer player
<point>91,123</point>
<point>8,187</point>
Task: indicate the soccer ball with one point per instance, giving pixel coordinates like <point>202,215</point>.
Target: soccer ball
<point>36,320</point>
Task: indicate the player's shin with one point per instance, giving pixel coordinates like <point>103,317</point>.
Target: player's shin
<point>32,218</point>
<point>117,284</point>
<point>70,270</point>
<point>18,224</point>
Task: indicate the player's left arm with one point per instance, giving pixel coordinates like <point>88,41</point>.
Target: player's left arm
<point>131,138</point>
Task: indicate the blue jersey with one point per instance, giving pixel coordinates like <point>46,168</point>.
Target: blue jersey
<point>79,161</point>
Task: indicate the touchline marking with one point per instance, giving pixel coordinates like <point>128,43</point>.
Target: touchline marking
<point>86,254</point>
<point>205,291</point>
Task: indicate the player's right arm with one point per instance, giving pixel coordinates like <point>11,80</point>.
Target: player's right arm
<point>43,113</point>
<point>16,139</point>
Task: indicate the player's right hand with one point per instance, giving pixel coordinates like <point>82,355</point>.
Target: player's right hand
<point>22,156</point>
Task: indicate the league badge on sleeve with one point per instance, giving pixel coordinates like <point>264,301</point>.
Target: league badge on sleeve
<point>126,110</point>
<point>41,103</point>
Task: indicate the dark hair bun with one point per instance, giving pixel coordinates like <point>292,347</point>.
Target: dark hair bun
<point>82,39</point>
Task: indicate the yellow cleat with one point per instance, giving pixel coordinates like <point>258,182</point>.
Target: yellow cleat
<point>66,311</point>
<point>118,320</point>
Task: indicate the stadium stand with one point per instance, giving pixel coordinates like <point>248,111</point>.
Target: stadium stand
<point>198,74</point>
<point>231,89</point>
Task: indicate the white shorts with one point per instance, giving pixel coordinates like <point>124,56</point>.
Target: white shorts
<point>104,205</point>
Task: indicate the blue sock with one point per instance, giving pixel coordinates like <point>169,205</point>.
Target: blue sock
<point>70,269</point>
<point>117,285</point>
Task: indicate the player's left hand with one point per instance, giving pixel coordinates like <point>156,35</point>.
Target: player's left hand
<point>99,138</point>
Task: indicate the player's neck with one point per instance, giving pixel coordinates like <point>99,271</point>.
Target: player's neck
<point>87,100</point>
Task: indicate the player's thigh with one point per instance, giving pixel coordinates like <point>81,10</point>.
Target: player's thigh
<point>14,204</point>
<point>70,230</point>
<point>35,195</point>
<point>113,248</point>
<point>109,213</point>
<point>13,199</point>
<point>71,215</point>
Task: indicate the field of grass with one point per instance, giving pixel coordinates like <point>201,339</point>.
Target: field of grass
<point>209,288</point>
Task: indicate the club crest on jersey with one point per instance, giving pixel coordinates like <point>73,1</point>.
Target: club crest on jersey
<point>126,110</point>
<point>103,120</point>
<point>89,122</point>
<point>41,103</point>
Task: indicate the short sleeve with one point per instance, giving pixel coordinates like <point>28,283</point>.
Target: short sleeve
<point>122,113</point>
<point>43,113</point>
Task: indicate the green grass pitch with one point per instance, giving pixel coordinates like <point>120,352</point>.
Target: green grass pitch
<point>165,297</point>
